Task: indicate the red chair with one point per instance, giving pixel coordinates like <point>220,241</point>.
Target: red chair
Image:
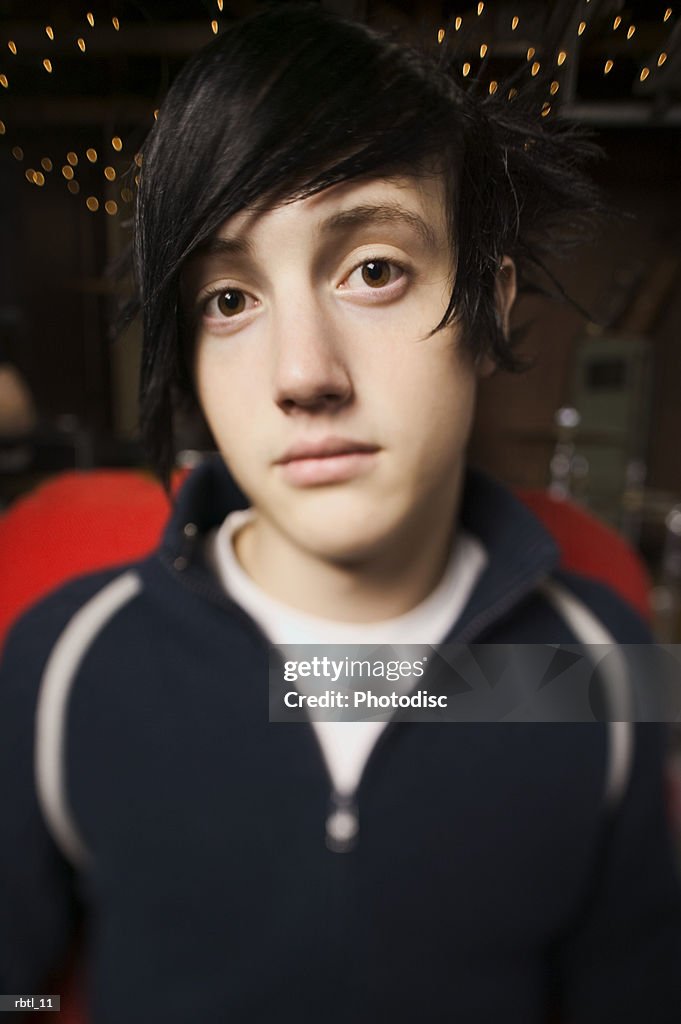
<point>591,548</point>
<point>75,523</point>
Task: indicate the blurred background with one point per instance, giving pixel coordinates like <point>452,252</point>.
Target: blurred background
<point>597,418</point>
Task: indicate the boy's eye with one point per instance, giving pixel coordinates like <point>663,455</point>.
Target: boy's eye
<point>375,274</point>
<point>229,303</point>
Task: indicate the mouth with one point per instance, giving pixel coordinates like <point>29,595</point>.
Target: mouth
<point>330,460</point>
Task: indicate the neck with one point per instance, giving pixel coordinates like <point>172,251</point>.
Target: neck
<point>383,585</point>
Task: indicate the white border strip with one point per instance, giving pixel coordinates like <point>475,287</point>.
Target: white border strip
<point>51,708</point>
<point>590,630</point>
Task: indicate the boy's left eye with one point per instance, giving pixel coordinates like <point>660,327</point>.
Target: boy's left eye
<point>375,274</point>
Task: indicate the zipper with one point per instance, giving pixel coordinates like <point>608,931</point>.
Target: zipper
<point>342,818</point>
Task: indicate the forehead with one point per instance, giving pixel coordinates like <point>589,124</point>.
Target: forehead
<point>409,203</point>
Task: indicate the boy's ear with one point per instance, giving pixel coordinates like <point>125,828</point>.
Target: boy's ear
<point>505,289</point>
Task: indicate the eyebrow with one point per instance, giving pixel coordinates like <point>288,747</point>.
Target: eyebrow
<point>368,214</point>
<point>220,246</point>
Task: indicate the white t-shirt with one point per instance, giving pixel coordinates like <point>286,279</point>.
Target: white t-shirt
<point>346,745</point>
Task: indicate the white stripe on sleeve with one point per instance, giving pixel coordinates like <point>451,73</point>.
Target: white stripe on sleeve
<point>51,709</point>
<point>589,630</point>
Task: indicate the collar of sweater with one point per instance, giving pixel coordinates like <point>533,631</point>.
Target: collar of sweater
<point>521,552</point>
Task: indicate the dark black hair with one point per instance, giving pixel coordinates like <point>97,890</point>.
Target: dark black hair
<point>294,99</point>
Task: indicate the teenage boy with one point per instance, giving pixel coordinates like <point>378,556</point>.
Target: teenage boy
<point>328,239</point>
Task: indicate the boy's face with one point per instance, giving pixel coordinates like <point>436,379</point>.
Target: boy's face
<point>338,416</point>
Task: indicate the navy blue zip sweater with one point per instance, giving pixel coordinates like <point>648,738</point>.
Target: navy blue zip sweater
<point>183,837</point>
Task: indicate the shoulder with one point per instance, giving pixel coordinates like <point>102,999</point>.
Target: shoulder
<point>41,656</point>
<point>594,610</point>
<point>82,604</point>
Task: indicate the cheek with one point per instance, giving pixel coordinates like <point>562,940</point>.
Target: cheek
<point>220,395</point>
<point>432,395</point>
<point>448,420</point>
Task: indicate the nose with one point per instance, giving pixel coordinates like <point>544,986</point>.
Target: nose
<point>311,370</point>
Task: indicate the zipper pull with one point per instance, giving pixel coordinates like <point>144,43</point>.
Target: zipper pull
<point>342,823</point>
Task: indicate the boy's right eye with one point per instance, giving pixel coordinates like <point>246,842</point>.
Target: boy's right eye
<point>226,303</point>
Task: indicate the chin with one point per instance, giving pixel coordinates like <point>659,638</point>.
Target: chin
<point>340,540</point>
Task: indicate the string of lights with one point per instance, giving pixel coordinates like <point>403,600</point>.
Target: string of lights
<point>117,171</point>
<point>535,65</point>
<point>68,170</point>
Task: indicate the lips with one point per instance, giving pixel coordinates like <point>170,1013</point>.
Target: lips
<point>327,461</point>
<point>325,448</point>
